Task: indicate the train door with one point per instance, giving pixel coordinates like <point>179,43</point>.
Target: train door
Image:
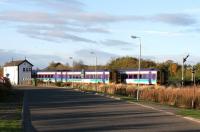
<point>150,77</point>
<point>103,77</point>
<point>123,77</point>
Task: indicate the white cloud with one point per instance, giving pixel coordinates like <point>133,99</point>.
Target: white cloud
<point>112,42</point>
<point>38,60</point>
<point>54,35</point>
<point>61,25</point>
<point>163,33</point>
<point>88,58</point>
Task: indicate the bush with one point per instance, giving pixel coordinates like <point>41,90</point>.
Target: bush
<point>58,84</point>
<point>5,88</point>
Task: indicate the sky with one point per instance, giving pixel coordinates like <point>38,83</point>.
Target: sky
<point>55,30</point>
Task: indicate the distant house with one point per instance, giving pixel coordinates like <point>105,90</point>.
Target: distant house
<point>19,72</point>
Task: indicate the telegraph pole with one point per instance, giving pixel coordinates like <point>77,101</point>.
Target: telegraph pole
<point>194,86</point>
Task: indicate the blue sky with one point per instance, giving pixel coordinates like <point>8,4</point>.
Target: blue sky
<point>54,30</point>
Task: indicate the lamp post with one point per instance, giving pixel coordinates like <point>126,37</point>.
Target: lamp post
<point>71,58</point>
<point>139,66</point>
<point>184,60</point>
<point>95,68</point>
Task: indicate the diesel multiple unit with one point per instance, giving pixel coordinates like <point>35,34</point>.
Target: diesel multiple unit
<point>144,76</point>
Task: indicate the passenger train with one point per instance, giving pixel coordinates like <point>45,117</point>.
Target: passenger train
<point>146,76</point>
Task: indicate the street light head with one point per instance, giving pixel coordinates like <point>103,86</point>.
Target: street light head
<point>70,57</point>
<point>92,52</point>
<point>134,37</point>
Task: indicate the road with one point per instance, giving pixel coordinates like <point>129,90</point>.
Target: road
<point>65,110</point>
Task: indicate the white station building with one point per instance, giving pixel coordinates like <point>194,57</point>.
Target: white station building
<point>19,72</point>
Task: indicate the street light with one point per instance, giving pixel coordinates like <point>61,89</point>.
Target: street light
<point>71,58</point>
<point>184,60</point>
<point>95,68</point>
<point>139,65</point>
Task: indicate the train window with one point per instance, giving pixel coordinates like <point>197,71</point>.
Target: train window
<point>135,76</point>
<point>130,76</point>
<point>91,77</point>
<point>78,76</point>
<point>106,76</point>
<point>99,76</point>
<point>145,76</point>
<point>153,76</point>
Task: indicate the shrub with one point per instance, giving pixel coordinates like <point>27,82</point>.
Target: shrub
<point>5,88</point>
<point>58,84</point>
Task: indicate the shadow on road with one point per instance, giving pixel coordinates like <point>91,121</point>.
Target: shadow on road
<point>68,110</point>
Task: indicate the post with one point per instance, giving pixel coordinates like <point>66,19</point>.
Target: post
<point>139,66</point>
<point>182,80</point>
<point>96,72</point>
<point>72,71</point>
<point>194,87</point>
<point>95,69</point>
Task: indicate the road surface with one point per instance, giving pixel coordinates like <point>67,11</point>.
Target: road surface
<point>65,110</point>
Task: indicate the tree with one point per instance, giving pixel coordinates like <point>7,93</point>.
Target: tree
<point>79,65</point>
<point>148,64</point>
<point>129,63</point>
<point>1,71</point>
<point>123,63</point>
<point>57,66</point>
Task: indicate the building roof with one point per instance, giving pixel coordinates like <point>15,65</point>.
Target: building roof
<point>16,63</point>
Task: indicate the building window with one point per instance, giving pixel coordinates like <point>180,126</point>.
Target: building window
<point>29,69</point>
<point>24,69</point>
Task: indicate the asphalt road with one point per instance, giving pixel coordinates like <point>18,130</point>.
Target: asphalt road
<point>62,110</point>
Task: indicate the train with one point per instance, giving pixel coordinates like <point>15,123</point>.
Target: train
<point>146,76</point>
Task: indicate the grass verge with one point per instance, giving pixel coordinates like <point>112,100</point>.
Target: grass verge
<point>179,111</point>
<point>189,112</point>
<point>10,112</point>
<point>10,125</point>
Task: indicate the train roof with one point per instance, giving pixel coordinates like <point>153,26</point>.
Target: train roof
<point>136,69</point>
<point>119,70</point>
<point>70,70</point>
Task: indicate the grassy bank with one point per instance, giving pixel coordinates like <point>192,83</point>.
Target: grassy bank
<point>10,110</point>
<point>189,112</point>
